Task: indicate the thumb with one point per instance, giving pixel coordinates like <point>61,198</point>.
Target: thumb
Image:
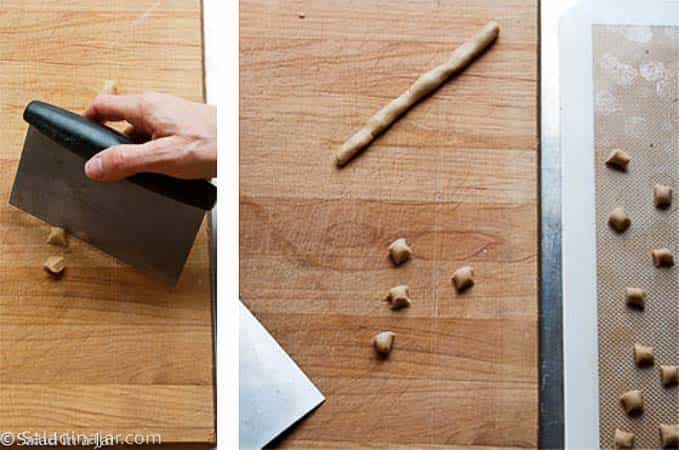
<point>122,161</point>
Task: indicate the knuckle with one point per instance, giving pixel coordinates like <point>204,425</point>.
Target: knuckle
<point>187,152</point>
<point>149,102</point>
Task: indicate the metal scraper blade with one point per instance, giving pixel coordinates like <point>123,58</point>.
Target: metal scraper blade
<point>148,231</point>
<point>274,393</point>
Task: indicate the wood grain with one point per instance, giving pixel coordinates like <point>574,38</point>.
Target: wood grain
<point>104,349</point>
<point>457,177</point>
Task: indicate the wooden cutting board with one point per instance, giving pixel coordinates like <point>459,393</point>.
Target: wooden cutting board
<point>457,177</point>
<point>105,349</point>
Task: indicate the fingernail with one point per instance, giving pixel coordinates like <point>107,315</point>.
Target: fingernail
<point>93,168</point>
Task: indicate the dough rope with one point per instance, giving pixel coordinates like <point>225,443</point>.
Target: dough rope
<point>425,84</point>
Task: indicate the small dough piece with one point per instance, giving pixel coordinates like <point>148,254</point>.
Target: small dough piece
<point>463,278</point>
<point>399,251</point>
<point>301,15</point>
<point>662,196</point>
<point>623,439</point>
<point>619,220</point>
<point>632,402</point>
<point>635,297</point>
<point>398,297</point>
<point>662,257</point>
<point>110,87</point>
<point>669,375</point>
<point>669,435</point>
<point>383,342</point>
<point>618,160</point>
<point>643,355</point>
<point>57,236</point>
<point>54,265</point>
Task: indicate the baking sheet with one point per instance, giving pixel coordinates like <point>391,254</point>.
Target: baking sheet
<point>635,72</point>
<point>579,280</point>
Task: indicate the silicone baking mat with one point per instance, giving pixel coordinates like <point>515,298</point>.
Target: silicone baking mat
<point>636,86</point>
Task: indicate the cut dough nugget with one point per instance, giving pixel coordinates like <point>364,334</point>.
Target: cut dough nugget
<point>669,435</point>
<point>110,87</point>
<point>57,236</point>
<point>635,297</point>
<point>623,439</point>
<point>669,375</point>
<point>643,355</point>
<point>662,196</point>
<point>400,251</point>
<point>54,265</point>
<point>424,85</point>
<point>662,257</point>
<point>619,220</point>
<point>632,402</point>
<point>383,342</point>
<point>398,297</point>
<point>463,278</point>
<point>618,160</point>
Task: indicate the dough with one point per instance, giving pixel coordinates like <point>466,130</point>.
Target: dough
<point>383,342</point>
<point>662,257</point>
<point>301,15</point>
<point>669,435</point>
<point>57,236</point>
<point>643,355</point>
<point>463,278</point>
<point>632,402</point>
<point>110,87</point>
<point>618,160</point>
<point>400,251</point>
<point>635,297</point>
<point>424,85</point>
<point>398,297</point>
<point>662,196</point>
<point>54,265</point>
<point>619,220</point>
<point>623,439</point>
<point>669,375</point>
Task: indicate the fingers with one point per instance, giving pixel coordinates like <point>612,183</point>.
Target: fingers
<point>111,108</point>
<point>122,161</point>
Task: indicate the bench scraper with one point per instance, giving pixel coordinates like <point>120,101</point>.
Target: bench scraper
<point>274,393</point>
<point>148,221</point>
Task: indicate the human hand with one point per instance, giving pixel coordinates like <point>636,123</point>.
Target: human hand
<point>176,137</point>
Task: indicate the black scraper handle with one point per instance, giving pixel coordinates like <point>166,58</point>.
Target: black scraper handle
<point>86,138</point>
